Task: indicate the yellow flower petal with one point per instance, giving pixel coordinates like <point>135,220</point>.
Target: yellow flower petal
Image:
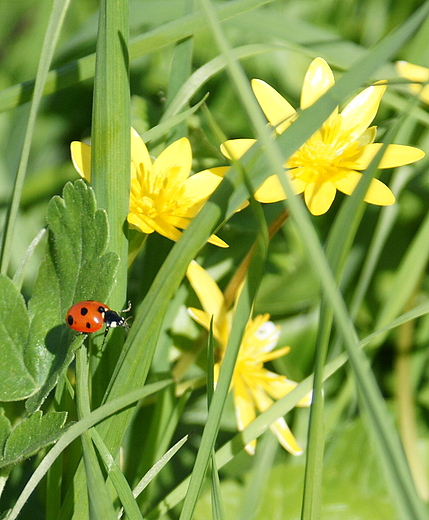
<point>306,401</point>
<point>360,112</point>
<point>419,75</point>
<point>394,156</point>
<point>200,317</point>
<point>412,72</point>
<point>278,427</point>
<point>277,386</point>
<point>207,290</point>
<point>216,241</point>
<point>236,148</point>
<point>220,171</point>
<point>148,225</point>
<point>317,81</point>
<point>378,193</point>
<point>139,152</point>
<point>175,160</point>
<point>81,158</point>
<point>285,437</point>
<point>244,410</point>
<point>204,319</point>
<point>368,136</point>
<point>164,228</point>
<point>140,223</point>
<point>319,197</point>
<point>271,189</point>
<point>201,185</point>
<point>277,110</point>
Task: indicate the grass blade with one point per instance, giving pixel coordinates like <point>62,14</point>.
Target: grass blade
<point>56,19</point>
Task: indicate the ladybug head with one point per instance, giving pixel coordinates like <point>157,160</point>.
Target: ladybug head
<point>113,319</point>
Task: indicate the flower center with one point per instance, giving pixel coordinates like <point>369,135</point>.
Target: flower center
<point>158,195</point>
<point>314,159</point>
<point>326,155</point>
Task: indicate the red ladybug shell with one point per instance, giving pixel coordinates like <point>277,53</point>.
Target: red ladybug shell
<point>87,316</point>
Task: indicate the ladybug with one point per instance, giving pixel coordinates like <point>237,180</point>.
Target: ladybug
<point>90,316</point>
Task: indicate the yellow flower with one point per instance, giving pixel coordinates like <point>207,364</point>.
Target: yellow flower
<point>254,387</point>
<point>334,155</point>
<point>417,74</point>
<point>164,197</point>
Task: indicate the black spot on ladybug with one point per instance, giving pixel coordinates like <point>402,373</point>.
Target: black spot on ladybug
<point>70,320</point>
<point>84,311</point>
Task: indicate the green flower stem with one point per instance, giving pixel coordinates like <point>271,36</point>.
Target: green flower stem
<point>405,399</point>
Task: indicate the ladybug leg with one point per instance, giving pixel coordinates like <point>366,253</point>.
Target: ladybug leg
<point>104,337</point>
<point>128,308</point>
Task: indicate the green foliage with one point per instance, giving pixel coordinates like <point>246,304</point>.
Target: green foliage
<point>35,344</point>
<point>31,435</point>
<point>352,487</point>
<point>76,267</point>
<point>18,380</point>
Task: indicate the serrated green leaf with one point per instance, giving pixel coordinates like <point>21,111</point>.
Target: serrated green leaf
<point>16,374</point>
<point>78,243</point>
<point>76,267</point>
<point>32,434</point>
<point>5,428</point>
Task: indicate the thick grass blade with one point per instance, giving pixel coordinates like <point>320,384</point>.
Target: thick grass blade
<point>385,223</point>
<point>218,510</point>
<point>111,123</point>
<point>254,491</point>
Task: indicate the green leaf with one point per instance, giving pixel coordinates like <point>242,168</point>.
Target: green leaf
<point>76,267</point>
<point>5,429</point>
<point>16,373</point>
<point>31,435</point>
